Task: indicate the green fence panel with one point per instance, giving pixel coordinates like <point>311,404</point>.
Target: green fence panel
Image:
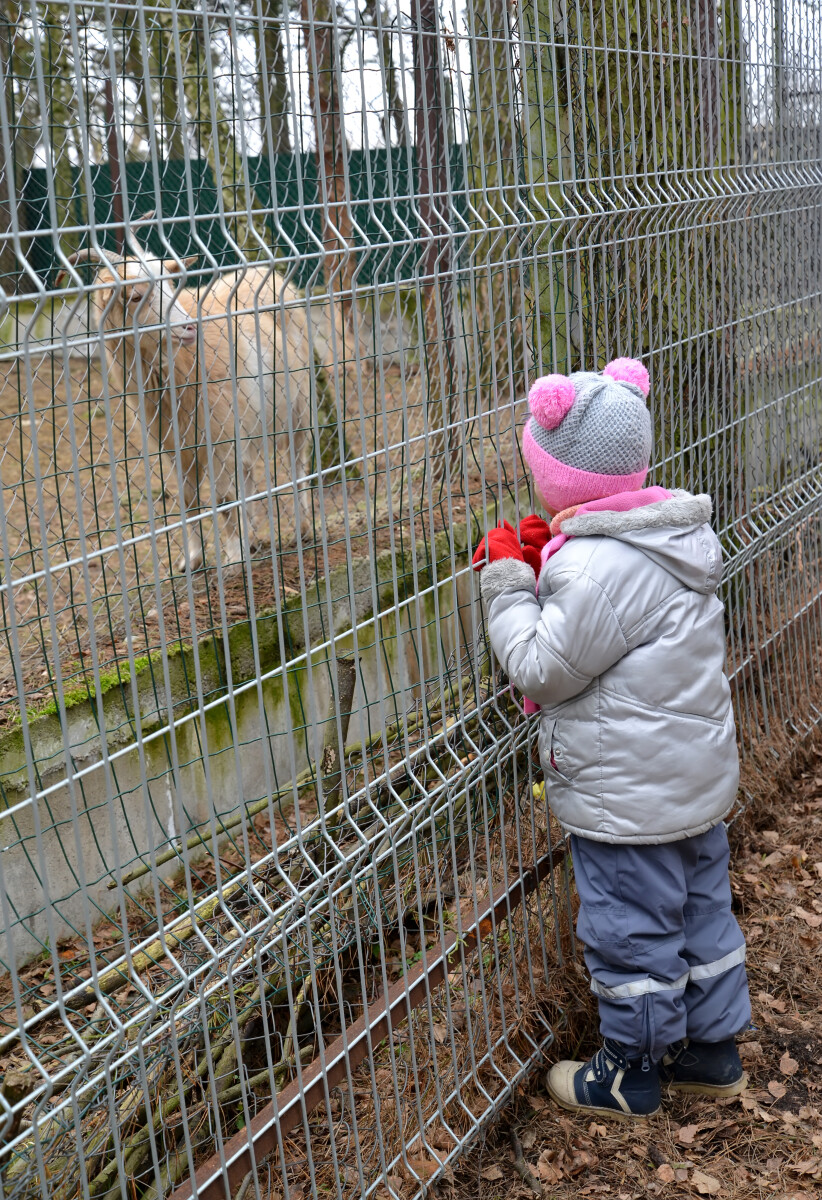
<point>386,234</point>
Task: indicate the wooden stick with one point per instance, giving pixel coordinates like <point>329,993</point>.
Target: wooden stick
<point>332,759</point>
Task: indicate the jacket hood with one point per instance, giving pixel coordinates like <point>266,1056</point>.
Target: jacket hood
<point>673,533</point>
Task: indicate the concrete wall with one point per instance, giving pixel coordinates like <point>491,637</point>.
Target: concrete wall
<point>60,851</point>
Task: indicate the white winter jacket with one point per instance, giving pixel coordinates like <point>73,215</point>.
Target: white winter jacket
<point>623,646</point>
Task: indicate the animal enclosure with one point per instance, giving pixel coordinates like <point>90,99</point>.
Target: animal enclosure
<point>282,913</point>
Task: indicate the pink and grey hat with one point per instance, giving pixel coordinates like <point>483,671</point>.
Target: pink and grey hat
<point>589,435</point>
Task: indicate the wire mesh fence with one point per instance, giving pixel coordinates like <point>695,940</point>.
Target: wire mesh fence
<point>281,914</point>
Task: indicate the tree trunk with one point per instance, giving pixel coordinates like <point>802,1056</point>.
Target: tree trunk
<point>272,81</point>
<point>616,275</point>
<point>435,261</point>
<point>324,89</point>
<point>499,366</point>
<point>394,108</point>
<point>135,67</point>
<point>171,92</point>
<point>62,120</point>
<point>216,144</point>
<point>9,180</point>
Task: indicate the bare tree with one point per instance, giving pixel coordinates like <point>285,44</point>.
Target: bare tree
<point>9,266</point>
<point>272,81</point>
<point>494,148</point>
<point>325,92</point>
<point>380,21</point>
<point>433,206</point>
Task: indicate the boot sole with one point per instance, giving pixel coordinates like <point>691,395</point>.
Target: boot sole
<point>616,1113</point>
<point>709,1089</point>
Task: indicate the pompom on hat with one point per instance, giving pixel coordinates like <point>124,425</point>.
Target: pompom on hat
<point>589,435</point>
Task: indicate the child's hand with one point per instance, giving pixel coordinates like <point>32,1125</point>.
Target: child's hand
<point>534,532</point>
<point>533,558</point>
<point>497,543</point>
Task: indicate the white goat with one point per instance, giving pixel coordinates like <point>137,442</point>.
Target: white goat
<point>237,355</point>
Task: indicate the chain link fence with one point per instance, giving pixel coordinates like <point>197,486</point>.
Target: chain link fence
<point>282,914</point>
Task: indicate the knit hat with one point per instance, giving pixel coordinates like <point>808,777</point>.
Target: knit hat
<point>590,434</point>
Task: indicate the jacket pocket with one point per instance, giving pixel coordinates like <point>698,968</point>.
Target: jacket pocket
<point>551,750</point>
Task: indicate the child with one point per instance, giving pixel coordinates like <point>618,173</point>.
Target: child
<point>623,646</point>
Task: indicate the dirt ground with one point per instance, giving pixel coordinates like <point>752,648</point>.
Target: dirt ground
<point>766,1142</point>
<point>71,483</point>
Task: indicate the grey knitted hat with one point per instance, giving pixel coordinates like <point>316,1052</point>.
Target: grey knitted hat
<point>589,435</point>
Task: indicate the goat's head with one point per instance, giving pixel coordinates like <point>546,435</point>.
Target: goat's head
<point>136,294</point>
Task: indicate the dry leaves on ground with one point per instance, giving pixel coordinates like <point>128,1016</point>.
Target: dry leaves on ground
<point>766,1142</point>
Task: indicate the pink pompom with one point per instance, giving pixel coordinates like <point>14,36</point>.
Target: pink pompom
<point>550,398</point>
<point>629,370</point>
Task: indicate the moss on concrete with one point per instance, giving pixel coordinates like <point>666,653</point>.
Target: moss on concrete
<point>350,586</point>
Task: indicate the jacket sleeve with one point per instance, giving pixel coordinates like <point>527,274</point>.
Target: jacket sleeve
<point>550,652</point>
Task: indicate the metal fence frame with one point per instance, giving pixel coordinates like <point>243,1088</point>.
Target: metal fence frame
<point>271,840</point>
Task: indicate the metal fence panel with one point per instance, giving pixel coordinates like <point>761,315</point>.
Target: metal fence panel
<point>282,913</point>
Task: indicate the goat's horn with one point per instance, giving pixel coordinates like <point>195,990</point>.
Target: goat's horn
<point>131,241</point>
<point>81,256</point>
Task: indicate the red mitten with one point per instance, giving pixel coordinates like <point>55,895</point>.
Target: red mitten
<point>497,543</point>
<point>533,558</point>
<point>533,531</point>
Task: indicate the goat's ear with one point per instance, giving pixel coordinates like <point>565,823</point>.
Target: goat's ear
<point>172,267</point>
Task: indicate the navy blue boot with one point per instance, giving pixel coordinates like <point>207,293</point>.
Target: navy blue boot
<point>704,1068</point>
<point>610,1085</point>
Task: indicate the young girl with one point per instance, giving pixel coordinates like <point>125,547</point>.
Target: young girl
<point>622,646</point>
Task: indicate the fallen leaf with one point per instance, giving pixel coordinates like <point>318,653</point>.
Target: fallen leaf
<point>425,1168</point>
<point>681,1174</point>
<point>777,1005</point>
<point>748,1103</point>
<point>528,1139</point>
<point>773,859</point>
<point>817,866</point>
<point>777,1089</point>
<point>809,918</point>
<point>440,1032</point>
<point>547,1172</point>
<point>665,1173</point>
<point>686,1134</point>
<point>788,1065</point>
<point>582,1161</point>
<point>492,1173</point>
<point>706,1185</point>
<point>439,1138</point>
<point>750,1051</point>
<point>597,1130</point>
<point>808,1167</point>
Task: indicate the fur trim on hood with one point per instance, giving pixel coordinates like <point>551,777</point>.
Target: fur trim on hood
<point>682,511</point>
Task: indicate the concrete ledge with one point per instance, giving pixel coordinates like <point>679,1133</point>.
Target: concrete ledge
<point>59,855</point>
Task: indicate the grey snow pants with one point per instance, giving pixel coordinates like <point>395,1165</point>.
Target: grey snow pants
<point>665,952</point>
